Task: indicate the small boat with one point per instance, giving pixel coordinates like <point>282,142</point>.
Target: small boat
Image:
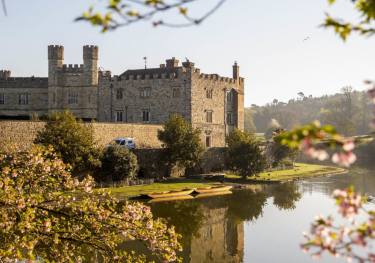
<point>213,189</point>
<point>169,194</point>
<point>213,194</point>
<point>184,197</point>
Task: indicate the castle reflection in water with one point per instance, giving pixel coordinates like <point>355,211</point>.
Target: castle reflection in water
<point>212,228</point>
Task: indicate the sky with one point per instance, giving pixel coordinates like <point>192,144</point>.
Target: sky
<point>264,37</point>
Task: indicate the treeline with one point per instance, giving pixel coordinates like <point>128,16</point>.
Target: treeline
<point>349,111</point>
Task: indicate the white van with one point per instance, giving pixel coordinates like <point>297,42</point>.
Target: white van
<point>128,142</point>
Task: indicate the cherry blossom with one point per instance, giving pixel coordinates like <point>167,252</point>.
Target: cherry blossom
<point>46,212</point>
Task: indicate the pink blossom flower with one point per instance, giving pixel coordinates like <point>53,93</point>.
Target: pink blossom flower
<point>344,159</point>
<point>348,146</point>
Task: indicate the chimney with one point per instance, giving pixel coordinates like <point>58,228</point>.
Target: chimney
<point>236,73</point>
<point>172,63</point>
<point>162,65</point>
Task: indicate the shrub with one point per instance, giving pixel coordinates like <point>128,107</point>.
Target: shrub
<point>118,163</point>
<point>288,162</point>
<point>269,132</point>
<point>275,164</point>
<point>74,143</point>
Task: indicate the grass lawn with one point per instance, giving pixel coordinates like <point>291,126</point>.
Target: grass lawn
<point>303,171</point>
<point>168,185</point>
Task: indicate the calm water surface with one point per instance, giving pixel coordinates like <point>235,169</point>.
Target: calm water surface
<point>261,224</point>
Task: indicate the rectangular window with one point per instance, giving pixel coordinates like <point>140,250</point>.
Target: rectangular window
<point>23,99</point>
<point>209,116</point>
<point>145,115</point>
<point>176,92</point>
<point>119,94</point>
<point>229,96</point>
<point>73,98</point>
<point>209,94</point>
<point>229,117</point>
<point>119,116</point>
<point>45,99</point>
<point>208,141</point>
<point>2,99</point>
<point>145,93</point>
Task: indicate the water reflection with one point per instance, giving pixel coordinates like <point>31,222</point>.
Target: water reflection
<point>214,228</point>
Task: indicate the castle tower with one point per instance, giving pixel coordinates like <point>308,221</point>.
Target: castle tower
<point>55,59</point>
<point>5,74</point>
<point>90,64</point>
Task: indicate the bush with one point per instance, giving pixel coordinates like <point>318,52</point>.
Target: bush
<point>288,162</point>
<point>74,143</point>
<point>269,132</point>
<point>118,163</point>
<point>275,164</point>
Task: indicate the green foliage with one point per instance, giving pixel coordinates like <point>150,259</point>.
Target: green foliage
<point>275,164</point>
<point>366,9</point>
<point>73,142</point>
<point>286,118</point>
<point>269,132</point>
<point>46,212</point>
<point>287,162</point>
<point>243,153</point>
<point>118,163</point>
<point>181,142</point>
<point>286,195</point>
<point>249,124</point>
<point>282,152</point>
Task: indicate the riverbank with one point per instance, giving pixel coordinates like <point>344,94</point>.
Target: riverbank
<point>300,171</point>
<point>168,185</point>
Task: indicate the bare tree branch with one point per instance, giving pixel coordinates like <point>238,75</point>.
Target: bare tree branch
<point>4,8</point>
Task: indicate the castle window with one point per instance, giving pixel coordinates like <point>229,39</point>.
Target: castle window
<point>89,97</point>
<point>23,99</point>
<point>229,117</point>
<point>45,99</point>
<point>145,92</point>
<point>119,94</point>
<point>54,97</point>
<point>73,98</point>
<point>208,141</point>
<point>176,92</point>
<point>208,233</point>
<point>145,116</point>
<point>119,116</point>
<point>2,99</point>
<point>209,116</point>
<point>229,96</point>
<point>209,94</point>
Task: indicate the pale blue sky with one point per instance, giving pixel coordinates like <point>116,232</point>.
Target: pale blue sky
<point>265,37</point>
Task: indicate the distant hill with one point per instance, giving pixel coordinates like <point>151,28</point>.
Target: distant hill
<point>349,111</point>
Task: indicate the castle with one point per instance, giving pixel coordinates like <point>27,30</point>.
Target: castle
<point>147,96</point>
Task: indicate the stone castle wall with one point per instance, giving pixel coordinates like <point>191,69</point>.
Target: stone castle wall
<point>24,132</point>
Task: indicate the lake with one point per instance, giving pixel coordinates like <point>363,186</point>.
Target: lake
<point>261,224</point>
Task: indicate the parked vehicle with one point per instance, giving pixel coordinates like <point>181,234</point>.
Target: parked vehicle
<point>128,142</point>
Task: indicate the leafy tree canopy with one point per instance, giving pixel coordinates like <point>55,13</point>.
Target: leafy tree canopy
<point>182,142</point>
<point>45,212</point>
<point>281,152</point>
<point>74,142</point>
<point>243,153</point>
<point>118,163</point>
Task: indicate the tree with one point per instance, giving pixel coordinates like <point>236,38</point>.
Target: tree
<point>282,152</point>
<point>122,10</point>
<point>45,212</point>
<point>119,163</point>
<point>243,153</point>
<point>286,195</point>
<point>286,118</point>
<point>72,141</point>
<point>249,124</point>
<point>181,142</point>
<point>364,113</point>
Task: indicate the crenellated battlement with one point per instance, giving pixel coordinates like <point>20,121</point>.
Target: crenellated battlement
<point>71,68</point>
<point>55,52</point>
<point>137,77</point>
<point>91,52</point>
<point>30,80</point>
<point>5,73</point>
